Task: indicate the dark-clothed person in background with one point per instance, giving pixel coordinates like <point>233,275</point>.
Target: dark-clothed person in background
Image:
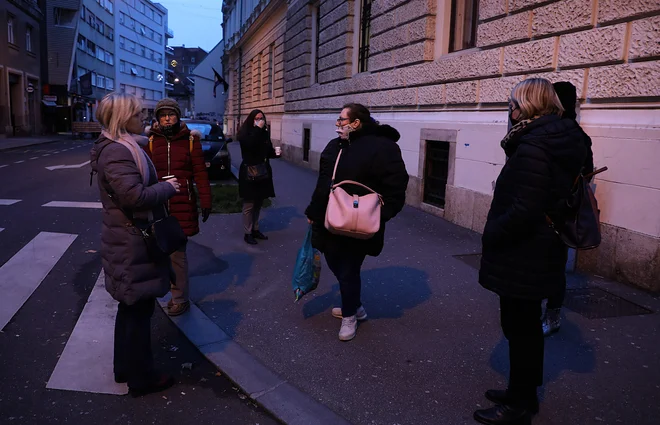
<point>523,259</point>
<point>131,197</point>
<point>371,156</point>
<point>568,97</point>
<point>256,149</point>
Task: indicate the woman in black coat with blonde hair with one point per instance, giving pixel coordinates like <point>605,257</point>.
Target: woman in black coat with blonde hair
<point>255,176</point>
<point>523,259</point>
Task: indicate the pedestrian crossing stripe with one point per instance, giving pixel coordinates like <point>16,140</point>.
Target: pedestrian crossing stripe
<point>86,362</point>
<point>9,201</point>
<point>24,272</point>
<point>69,204</point>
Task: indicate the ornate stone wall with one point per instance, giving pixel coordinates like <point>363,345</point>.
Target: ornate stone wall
<point>609,49</point>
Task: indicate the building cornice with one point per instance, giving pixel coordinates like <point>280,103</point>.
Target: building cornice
<point>29,7</point>
<point>258,17</point>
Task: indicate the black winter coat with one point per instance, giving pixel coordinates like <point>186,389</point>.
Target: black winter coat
<point>371,157</point>
<point>522,256</point>
<point>256,148</point>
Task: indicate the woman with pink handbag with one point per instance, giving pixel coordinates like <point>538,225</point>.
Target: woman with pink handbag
<point>361,185</point>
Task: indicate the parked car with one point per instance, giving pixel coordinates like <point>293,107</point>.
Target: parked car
<point>214,145</point>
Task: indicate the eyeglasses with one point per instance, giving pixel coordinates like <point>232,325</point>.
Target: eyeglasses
<point>340,120</point>
<point>167,114</point>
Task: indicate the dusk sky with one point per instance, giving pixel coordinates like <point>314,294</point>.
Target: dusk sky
<point>196,23</point>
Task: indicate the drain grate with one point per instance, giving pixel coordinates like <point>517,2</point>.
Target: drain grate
<point>472,260</point>
<point>596,303</point>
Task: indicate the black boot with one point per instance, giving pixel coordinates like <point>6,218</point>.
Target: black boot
<point>250,239</point>
<point>258,235</point>
<point>157,384</point>
<point>503,397</point>
<point>504,415</point>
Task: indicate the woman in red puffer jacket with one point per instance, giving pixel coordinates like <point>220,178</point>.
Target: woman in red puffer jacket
<point>176,151</point>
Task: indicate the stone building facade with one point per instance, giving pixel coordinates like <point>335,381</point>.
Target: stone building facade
<point>441,71</point>
<point>20,67</point>
<point>254,62</point>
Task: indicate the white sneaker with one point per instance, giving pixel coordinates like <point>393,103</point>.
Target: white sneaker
<point>348,328</point>
<point>361,313</point>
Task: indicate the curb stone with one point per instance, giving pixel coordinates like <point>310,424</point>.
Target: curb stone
<point>284,401</point>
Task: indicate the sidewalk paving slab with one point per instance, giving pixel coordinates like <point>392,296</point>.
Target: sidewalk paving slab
<point>432,344</point>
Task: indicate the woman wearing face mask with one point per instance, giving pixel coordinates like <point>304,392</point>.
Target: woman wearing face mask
<point>369,155</point>
<point>255,176</point>
<point>523,260</point>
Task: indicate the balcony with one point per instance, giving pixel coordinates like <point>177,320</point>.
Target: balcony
<point>169,33</point>
<point>169,51</point>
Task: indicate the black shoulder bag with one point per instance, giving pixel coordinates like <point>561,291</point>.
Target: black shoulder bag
<point>163,236</point>
<point>580,227</point>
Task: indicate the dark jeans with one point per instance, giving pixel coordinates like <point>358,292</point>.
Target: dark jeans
<point>133,358</point>
<point>346,268</point>
<point>521,323</point>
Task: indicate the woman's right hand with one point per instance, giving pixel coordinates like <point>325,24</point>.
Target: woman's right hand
<point>175,184</point>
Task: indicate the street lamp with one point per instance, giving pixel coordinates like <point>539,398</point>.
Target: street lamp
<point>176,80</point>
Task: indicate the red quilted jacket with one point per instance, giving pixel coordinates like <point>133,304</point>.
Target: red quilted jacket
<point>174,157</point>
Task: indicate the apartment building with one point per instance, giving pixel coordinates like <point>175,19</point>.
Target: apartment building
<point>20,62</point>
<point>141,37</point>
<point>254,34</point>
<point>93,75</point>
<point>441,71</point>
<point>206,104</point>
<point>182,76</point>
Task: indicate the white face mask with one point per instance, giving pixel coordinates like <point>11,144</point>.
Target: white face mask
<point>344,131</point>
<point>259,123</point>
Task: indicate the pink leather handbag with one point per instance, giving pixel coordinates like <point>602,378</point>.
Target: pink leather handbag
<point>351,215</point>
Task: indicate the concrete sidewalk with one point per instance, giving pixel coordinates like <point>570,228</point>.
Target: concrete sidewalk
<point>21,142</point>
<point>432,344</point>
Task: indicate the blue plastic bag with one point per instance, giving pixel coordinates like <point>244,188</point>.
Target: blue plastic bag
<point>307,272</point>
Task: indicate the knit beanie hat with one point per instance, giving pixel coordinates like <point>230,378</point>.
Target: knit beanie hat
<point>567,96</point>
<point>167,103</point>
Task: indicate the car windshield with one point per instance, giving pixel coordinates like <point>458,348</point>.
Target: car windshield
<point>209,131</point>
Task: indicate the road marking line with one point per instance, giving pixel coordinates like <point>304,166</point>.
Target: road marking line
<point>61,167</point>
<point>34,157</point>
<point>70,204</point>
<point>1,229</point>
<point>86,362</point>
<point>3,166</point>
<point>46,154</point>
<point>24,272</point>
<point>9,201</point>
<point>19,162</point>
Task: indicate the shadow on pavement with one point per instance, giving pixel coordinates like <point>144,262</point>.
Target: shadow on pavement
<point>276,219</point>
<point>386,293</point>
<point>566,350</point>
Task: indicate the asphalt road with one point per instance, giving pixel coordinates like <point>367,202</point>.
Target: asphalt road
<point>53,251</point>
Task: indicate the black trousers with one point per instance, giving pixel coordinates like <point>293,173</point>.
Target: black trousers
<point>558,300</point>
<point>133,360</point>
<point>346,268</point>
<point>521,323</point>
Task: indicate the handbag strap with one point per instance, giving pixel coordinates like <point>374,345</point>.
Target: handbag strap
<point>334,186</point>
<point>334,172</point>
